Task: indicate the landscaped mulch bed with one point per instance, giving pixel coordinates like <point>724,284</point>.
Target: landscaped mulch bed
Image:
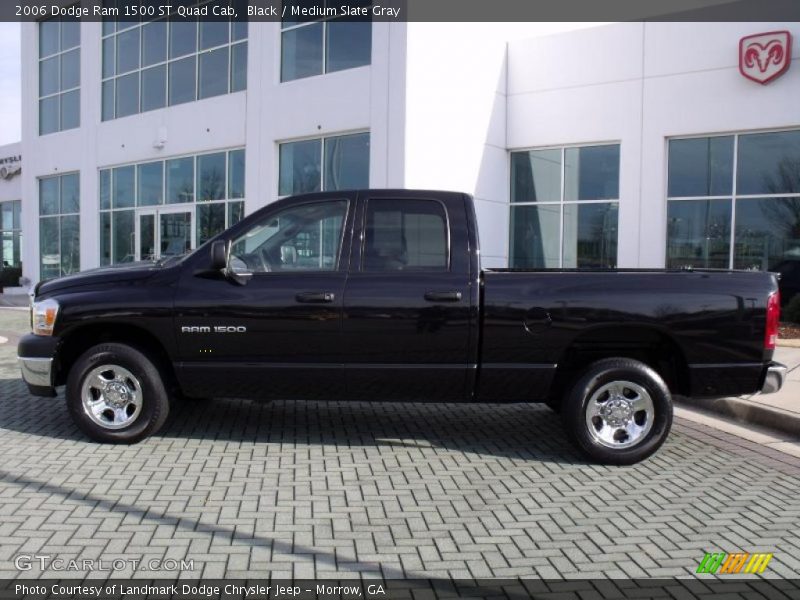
<point>789,331</point>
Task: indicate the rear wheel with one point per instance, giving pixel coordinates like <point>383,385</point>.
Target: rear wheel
<point>619,411</point>
<point>116,394</point>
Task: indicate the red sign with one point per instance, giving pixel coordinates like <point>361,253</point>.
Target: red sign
<point>765,56</point>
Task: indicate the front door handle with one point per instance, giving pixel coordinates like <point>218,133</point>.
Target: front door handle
<point>315,297</point>
<point>443,296</point>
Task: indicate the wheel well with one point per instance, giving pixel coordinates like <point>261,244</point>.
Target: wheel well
<point>81,339</point>
<point>650,346</point>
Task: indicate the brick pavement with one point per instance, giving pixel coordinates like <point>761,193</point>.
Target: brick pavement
<point>358,489</point>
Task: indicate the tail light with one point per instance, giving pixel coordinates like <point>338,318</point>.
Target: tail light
<point>773,320</point>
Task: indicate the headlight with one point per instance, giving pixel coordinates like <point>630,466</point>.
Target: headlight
<point>44,316</point>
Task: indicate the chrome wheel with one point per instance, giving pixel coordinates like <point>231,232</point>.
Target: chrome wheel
<point>111,396</point>
<point>619,414</point>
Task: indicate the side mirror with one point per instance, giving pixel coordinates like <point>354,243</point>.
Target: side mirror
<point>219,255</point>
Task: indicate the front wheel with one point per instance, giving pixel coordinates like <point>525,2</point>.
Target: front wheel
<point>619,411</point>
<point>116,394</point>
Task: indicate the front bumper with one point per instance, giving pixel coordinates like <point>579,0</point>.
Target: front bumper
<point>774,378</point>
<point>36,355</point>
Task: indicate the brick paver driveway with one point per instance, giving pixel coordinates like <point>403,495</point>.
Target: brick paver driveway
<point>346,489</point>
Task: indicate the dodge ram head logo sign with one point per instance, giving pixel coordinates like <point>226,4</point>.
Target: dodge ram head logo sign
<point>765,56</point>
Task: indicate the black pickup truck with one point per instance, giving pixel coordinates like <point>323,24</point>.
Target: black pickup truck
<point>379,295</point>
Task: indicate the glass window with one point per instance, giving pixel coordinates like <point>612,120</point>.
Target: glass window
<point>105,189</point>
<point>769,163</point>
<point>305,237</point>
<point>124,184</point>
<point>123,225</point>
<point>211,177</point>
<point>70,193</point>
<point>590,235</point>
<point>536,176</point>
<point>182,38</point>
<point>239,67</point>
<point>180,180</point>
<point>70,110</point>
<point>591,173</point>
<point>11,265</point>
<point>556,220</point>
<point>182,83</point>
<point>49,196</point>
<point>347,162</point>
<point>151,184</point>
<point>210,221</point>
<point>128,50</point>
<point>59,231</point>
<point>767,233</point>
<point>70,244</point>
<point>181,61</point>
<point>109,57</point>
<point>301,52</point>
<point>49,38</point>
<point>105,238</point>
<point>236,174</point>
<point>405,235</point>
<point>300,167</point>
<point>154,43</point>
<point>59,71</point>
<point>213,33</point>
<point>49,76</point>
<point>214,72</point>
<point>310,47</point>
<point>49,115</point>
<point>698,233</point>
<point>127,95</point>
<point>235,213</point>
<point>108,100</point>
<point>700,167</point>
<point>154,88</point>
<point>349,44</point>
<point>535,236</point>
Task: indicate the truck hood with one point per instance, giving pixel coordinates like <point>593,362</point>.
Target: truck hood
<point>124,272</point>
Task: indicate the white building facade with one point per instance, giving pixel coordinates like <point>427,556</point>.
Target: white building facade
<point>10,214</point>
<point>632,145</point>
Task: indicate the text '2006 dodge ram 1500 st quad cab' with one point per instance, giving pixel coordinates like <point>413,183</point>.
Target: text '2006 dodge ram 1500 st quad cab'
<point>379,295</point>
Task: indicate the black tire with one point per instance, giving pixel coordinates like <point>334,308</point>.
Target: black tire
<point>154,400</point>
<point>630,450</point>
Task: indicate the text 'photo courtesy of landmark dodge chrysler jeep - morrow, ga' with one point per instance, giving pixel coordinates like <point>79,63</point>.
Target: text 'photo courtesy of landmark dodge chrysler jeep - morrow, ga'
<point>378,295</point>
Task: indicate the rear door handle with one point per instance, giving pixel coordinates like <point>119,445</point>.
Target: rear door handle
<point>315,297</point>
<point>443,296</point>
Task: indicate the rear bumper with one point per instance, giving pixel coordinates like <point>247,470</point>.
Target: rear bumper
<point>36,355</point>
<point>774,378</point>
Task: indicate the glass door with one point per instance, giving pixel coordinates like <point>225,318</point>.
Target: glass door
<point>164,232</point>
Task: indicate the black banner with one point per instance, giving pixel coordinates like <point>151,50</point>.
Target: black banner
<point>733,588</point>
<point>404,10</point>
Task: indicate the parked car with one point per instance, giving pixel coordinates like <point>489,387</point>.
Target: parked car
<point>379,295</point>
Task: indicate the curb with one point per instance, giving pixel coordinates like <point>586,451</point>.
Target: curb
<point>792,343</point>
<point>744,411</point>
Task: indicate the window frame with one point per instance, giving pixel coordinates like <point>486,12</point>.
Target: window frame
<point>127,26</point>
<point>58,217</point>
<point>322,139</point>
<point>562,201</point>
<point>732,197</point>
<point>414,271</point>
<point>59,93</point>
<point>227,201</point>
<point>341,262</point>
<point>299,24</point>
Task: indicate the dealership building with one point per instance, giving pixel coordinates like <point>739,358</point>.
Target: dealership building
<point>630,145</point>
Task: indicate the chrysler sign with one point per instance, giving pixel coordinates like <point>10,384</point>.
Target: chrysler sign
<point>765,56</point>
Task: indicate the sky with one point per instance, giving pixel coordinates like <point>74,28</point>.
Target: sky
<point>10,118</point>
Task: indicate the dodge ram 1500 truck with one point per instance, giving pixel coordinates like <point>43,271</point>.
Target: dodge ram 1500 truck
<point>379,295</point>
